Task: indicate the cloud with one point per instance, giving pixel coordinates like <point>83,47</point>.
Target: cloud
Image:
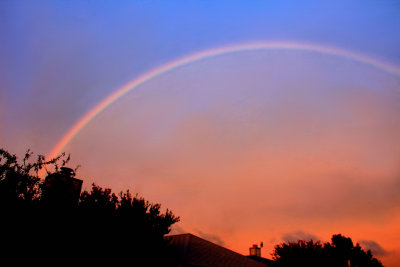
<point>375,248</point>
<point>177,230</point>
<point>211,237</point>
<point>298,235</point>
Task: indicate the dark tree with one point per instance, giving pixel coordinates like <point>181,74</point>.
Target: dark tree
<point>300,253</point>
<point>22,218</point>
<point>341,252</point>
<point>109,219</point>
<point>102,228</point>
<point>19,182</point>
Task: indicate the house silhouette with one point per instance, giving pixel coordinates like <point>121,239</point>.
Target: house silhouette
<point>191,250</point>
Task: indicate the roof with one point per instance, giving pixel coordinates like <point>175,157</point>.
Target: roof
<point>195,251</point>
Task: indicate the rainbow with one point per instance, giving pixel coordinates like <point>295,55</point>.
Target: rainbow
<point>91,114</point>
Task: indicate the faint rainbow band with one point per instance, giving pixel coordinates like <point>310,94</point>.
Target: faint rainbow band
<point>91,114</point>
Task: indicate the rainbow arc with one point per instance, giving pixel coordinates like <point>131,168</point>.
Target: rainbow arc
<point>120,92</point>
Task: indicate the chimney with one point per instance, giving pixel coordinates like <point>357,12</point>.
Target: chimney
<point>255,251</point>
<point>61,189</point>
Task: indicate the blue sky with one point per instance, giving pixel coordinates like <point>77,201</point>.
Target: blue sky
<point>80,51</point>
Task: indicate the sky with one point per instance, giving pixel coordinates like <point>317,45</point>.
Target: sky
<point>258,145</point>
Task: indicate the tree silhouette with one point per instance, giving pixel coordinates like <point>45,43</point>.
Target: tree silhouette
<point>340,252</point>
<point>112,219</point>
<point>102,227</point>
<point>299,253</point>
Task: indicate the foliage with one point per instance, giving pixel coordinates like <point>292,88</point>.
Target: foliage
<point>286,254</point>
<point>20,182</point>
<point>112,219</point>
<point>117,228</point>
<point>340,252</point>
